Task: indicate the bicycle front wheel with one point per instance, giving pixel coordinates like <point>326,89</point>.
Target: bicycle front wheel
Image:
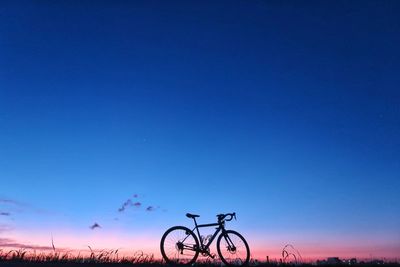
<point>233,249</point>
<point>179,245</point>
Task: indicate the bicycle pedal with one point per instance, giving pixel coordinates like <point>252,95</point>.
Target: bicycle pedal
<point>212,256</point>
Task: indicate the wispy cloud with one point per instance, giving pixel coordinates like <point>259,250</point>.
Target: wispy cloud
<point>95,225</point>
<point>5,241</point>
<point>10,243</point>
<point>11,202</point>
<point>5,228</point>
<point>122,208</point>
<point>130,203</point>
<point>5,214</point>
<point>153,208</point>
<point>125,205</point>
<point>18,206</point>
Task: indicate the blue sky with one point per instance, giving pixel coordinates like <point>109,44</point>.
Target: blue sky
<point>285,112</point>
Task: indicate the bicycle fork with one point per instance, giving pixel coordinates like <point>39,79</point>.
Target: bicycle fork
<point>231,247</point>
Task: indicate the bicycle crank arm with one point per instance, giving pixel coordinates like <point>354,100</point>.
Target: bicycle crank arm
<point>207,253</point>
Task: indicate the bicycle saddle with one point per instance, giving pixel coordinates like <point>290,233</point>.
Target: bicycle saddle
<point>192,215</point>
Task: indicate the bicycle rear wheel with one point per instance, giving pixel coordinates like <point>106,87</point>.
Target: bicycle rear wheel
<point>233,249</point>
<point>179,245</point>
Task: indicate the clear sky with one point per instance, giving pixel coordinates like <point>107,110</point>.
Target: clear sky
<point>287,112</point>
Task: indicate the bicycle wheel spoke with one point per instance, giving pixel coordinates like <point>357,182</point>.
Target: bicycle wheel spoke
<point>178,246</point>
<point>232,249</point>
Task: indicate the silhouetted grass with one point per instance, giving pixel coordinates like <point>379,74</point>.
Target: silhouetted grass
<point>22,257</point>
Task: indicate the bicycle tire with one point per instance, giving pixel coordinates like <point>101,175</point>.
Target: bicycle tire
<point>237,259</point>
<point>178,234</point>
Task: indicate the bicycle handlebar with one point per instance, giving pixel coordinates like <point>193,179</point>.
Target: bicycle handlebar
<point>222,217</point>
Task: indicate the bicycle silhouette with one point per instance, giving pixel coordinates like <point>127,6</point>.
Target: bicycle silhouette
<point>181,245</point>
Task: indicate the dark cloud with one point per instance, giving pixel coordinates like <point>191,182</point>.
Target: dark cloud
<point>153,208</point>
<point>94,226</point>
<point>136,204</point>
<point>5,214</point>
<point>130,203</point>
<point>150,208</point>
<point>125,205</point>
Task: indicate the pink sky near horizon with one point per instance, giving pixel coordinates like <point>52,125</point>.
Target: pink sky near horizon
<point>149,244</point>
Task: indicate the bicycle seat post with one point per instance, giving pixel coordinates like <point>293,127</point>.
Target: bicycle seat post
<point>195,223</point>
<point>192,216</point>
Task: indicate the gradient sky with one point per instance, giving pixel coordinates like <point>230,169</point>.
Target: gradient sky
<point>287,112</point>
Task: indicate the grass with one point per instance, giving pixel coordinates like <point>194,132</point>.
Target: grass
<point>22,257</point>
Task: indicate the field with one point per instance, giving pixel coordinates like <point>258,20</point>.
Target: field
<point>14,258</point>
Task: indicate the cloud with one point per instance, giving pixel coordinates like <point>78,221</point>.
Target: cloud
<point>125,205</point>
<point>95,225</point>
<point>137,204</point>
<point>5,241</point>
<point>150,208</point>
<point>9,243</point>
<point>130,203</point>
<point>5,214</point>
<point>11,202</point>
<point>17,206</point>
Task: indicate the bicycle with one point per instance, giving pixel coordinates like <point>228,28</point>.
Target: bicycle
<point>180,245</point>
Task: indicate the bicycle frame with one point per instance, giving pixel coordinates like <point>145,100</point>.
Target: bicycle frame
<point>204,247</point>
<point>231,246</point>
